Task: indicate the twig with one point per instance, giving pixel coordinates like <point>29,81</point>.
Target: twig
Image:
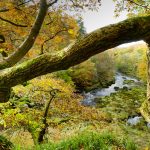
<point>12,23</point>
<point>145,6</point>
<point>50,4</point>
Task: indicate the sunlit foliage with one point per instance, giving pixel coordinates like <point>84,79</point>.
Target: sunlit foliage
<point>132,60</point>
<point>26,107</point>
<point>134,7</point>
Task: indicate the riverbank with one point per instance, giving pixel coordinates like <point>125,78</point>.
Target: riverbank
<point>121,82</point>
<point>121,107</point>
<point>109,114</point>
<point>121,102</point>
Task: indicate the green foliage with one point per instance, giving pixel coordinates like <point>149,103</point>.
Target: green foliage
<point>90,141</point>
<point>27,105</point>
<point>129,145</point>
<point>84,75</point>
<point>124,103</point>
<point>104,64</point>
<point>82,30</point>
<point>132,61</point>
<point>5,144</point>
<point>96,72</point>
<point>65,75</point>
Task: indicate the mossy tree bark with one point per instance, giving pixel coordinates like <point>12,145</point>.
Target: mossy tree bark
<point>145,108</point>
<point>130,30</point>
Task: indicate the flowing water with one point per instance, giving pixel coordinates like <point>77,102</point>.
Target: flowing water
<point>119,84</point>
<point>89,98</point>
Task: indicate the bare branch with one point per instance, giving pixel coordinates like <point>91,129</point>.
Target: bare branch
<point>6,9</point>
<point>50,38</point>
<point>76,4</point>
<point>52,3</point>
<point>12,23</point>
<point>24,3</point>
<point>52,93</point>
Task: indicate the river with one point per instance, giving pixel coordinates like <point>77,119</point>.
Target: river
<point>119,84</point>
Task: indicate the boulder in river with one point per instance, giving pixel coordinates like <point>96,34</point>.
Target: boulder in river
<point>125,88</point>
<point>116,88</point>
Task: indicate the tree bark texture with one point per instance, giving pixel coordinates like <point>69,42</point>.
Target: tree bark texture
<point>145,108</point>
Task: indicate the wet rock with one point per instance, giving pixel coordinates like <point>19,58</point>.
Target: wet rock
<point>134,121</point>
<point>125,88</point>
<point>88,102</point>
<point>128,81</point>
<point>98,100</point>
<point>116,88</point>
<point>124,78</point>
<point>88,96</point>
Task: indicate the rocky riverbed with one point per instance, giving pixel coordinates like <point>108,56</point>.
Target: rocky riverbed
<point>121,101</point>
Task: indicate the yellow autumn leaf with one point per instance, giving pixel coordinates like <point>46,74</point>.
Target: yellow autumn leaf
<point>146,148</point>
<point>2,122</point>
<point>70,31</point>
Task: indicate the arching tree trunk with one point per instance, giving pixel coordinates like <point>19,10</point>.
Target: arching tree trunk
<point>145,108</point>
<point>129,30</point>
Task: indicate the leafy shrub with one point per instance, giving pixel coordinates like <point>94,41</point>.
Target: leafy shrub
<point>26,111</point>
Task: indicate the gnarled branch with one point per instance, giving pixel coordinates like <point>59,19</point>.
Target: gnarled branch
<point>130,30</point>
<point>50,38</point>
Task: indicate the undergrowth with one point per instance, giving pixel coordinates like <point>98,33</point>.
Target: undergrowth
<point>89,141</point>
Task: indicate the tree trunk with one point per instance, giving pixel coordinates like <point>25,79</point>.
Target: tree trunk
<point>29,41</point>
<point>44,121</point>
<point>130,30</point>
<point>145,108</point>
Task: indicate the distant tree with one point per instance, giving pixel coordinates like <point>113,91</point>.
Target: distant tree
<point>82,29</point>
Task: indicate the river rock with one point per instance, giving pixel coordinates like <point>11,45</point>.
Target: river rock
<point>134,121</point>
<point>128,81</point>
<point>88,102</point>
<point>116,88</point>
<point>125,88</point>
<point>98,100</point>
